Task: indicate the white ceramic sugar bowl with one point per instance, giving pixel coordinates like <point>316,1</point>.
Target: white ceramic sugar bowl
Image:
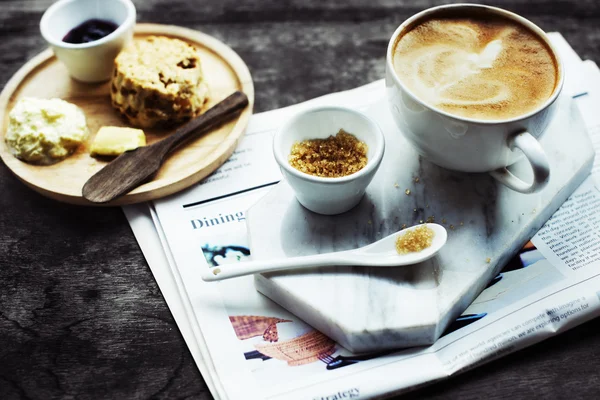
<point>329,195</point>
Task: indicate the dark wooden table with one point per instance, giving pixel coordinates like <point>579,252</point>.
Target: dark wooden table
<point>80,313</point>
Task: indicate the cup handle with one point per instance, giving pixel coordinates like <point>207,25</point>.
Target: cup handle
<point>536,156</point>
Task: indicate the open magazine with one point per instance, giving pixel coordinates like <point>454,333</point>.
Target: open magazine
<point>247,346</point>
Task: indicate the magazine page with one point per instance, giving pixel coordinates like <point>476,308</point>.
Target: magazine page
<point>237,327</point>
<point>588,106</point>
<point>145,225</point>
<point>215,232</point>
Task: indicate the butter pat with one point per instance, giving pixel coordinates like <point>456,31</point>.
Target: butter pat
<point>44,131</point>
<point>113,141</point>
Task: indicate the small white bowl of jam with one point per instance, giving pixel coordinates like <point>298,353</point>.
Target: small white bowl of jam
<point>87,35</point>
<point>329,155</point>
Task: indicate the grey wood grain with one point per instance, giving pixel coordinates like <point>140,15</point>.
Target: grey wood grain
<point>81,316</point>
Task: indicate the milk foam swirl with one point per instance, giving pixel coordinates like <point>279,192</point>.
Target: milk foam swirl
<point>480,69</point>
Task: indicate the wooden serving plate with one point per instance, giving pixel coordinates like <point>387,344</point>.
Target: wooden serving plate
<point>45,77</point>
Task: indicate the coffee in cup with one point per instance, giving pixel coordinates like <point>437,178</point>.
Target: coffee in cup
<point>469,84</point>
<point>476,65</point>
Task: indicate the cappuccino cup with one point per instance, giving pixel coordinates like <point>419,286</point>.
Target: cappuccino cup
<point>470,85</point>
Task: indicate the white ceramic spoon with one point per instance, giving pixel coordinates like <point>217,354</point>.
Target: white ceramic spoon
<point>379,254</point>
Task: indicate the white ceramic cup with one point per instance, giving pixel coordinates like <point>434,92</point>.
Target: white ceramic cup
<point>466,144</point>
<point>93,61</point>
<point>329,195</point>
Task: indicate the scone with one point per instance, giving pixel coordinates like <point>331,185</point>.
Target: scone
<point>158,80</point>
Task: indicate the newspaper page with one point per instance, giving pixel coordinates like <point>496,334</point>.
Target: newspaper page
<point>216,233</point>
<point>549,287</point>
<point>588,106</point>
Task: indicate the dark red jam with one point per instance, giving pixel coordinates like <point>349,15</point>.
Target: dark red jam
<point>90,30</point>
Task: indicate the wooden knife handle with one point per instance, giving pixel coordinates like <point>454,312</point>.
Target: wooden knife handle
<point>213,117</point>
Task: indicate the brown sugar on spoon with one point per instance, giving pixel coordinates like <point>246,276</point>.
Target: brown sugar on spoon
<point>415,240</point>
<point>158,80</point>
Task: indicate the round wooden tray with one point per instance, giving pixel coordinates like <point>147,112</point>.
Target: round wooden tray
<point>45,77</point>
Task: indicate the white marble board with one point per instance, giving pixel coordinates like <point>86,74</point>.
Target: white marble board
<point>368,308</point>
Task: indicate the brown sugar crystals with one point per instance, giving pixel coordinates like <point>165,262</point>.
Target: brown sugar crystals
<point>415,240</point>
<point>338,155</point>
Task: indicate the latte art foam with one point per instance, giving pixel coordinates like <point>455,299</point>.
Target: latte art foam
<point>477,68</point>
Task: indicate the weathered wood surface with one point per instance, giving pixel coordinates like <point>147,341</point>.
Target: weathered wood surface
<point>80,313</point>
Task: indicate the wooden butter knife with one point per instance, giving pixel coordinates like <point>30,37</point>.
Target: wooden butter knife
<point>134,167</point>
